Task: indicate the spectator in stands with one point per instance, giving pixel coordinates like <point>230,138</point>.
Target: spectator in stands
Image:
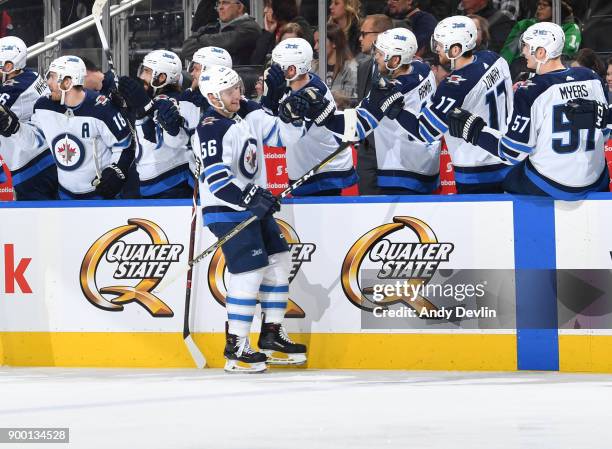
<point>499,23</point>
<point>367,166</point>
<point>510,8</point>
<point>482,26</point>
<point>345,14</point>
<point>586,57</point>
<point>277,13</point>
<point>609,79</point>
<point>205,16</point>
<point>420,22</point>
<point>511,51</point>
<point>341,67</point>
<point>237,33</point>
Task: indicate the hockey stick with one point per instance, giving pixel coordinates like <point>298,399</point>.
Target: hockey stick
<point>231,234</point>
<point>195,352</point>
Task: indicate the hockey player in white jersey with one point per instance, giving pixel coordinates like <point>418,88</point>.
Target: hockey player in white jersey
<point>231,151</point>
<point>32,167</point>
<point>480,83</point>
<point>88,137</point>
<point>289,73</point>
<point>163,159</point>
<point>550,157</point>
<point>191,101</point>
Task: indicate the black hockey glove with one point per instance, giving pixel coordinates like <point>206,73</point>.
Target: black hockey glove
<point>586,114</point>
<point>275,87</point>
<point>9,122</point>
<point>259,201</point>
<point>136,97</point>
<point>110,183</point>
<point>385,99</point>
<point>168,115</point>
<point>307,103</point>
<point>465,125</point>
<point>108,83</point>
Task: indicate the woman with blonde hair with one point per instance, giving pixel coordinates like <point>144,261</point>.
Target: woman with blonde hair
<point>346,14</point>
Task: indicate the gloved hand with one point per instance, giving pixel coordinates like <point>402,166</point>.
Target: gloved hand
<point>307,103</point>
<point>259,201</point>
<point>385,99</point>
<point>110,183</point>
<point>275,86</point>
<point>137,99</point>
<point>465,125</point>
<point>168,115</point>
<point>586,114</point>
<point>9,122</point>
<point>108,83</point>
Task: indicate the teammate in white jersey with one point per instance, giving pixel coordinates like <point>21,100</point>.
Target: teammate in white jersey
<point>289,73</point>
<point>550,156</point>
<point>231,188</point>
<point>88,137</point>
<point>480,83</point>
<point>32,167</point>
<point>163,159</point>
<point>191,101</point>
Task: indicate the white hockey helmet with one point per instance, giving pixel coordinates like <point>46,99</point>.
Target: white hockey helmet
<point>397,42</point>
<point>296,52</point>
<point>71,67</point>
<point>207,56</point>
<point>546,35</point>
<point>455,30</point>
<point>218,79</point>
<point>162,61</point>
<point>14,50</point>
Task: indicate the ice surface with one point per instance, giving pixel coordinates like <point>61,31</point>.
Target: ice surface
<point>175,409</point>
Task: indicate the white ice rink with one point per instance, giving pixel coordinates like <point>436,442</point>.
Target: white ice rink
<point>174,409</point>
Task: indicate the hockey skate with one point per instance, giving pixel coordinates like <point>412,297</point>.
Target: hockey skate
<point>276,344</point>
<point>240,357</point>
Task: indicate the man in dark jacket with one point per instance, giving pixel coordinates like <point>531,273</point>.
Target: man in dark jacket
<point>500,24</point>
<point>420,22</point>
<point>236,32</point>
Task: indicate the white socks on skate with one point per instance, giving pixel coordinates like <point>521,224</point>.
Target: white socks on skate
<point>274,290</point>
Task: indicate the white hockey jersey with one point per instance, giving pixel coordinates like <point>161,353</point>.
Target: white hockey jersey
<point>84,140</point>
<point>484,88</point>
<point>566,163</point>
<point>231,156</point>
<point>402,160</point>
<point>312,148</point>
<point>162,161</point>
<point>19,95</point>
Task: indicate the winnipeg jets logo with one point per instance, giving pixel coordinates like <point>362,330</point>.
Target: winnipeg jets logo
<point>68,151</point>
<point>101,100</point>
<point>455,79</point>
<point>525,84</point>
<point>248,159</point>
<point>209,121</point>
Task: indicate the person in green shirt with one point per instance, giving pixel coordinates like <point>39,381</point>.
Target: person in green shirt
<point>511,50</point>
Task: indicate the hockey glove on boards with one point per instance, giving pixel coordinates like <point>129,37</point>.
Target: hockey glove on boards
<point>9,122</point>
<point>168,115</point>
<point>586,114</point>
<point>259,201</point>
<point>110,183</point>
<point>465,125</point>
